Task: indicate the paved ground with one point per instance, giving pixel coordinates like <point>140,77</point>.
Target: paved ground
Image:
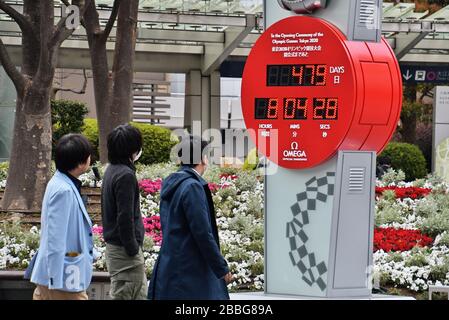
<point>262,296</point>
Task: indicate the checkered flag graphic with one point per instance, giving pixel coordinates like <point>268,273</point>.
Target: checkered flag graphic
<point>317,190</point>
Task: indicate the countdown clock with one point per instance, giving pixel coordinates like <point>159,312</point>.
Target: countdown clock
<point>308,92</point>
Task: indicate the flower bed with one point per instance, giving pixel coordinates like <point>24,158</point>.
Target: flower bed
<point>411,237</point>
<point>405,192</point>
<point>392,239</point>
<point>238,197</point>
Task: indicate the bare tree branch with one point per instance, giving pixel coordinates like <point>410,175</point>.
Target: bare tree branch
<point>81,91</point>
<point>112,19</point>
<point>91,22</point>
<point>61,31</point>
<point>24,24</point>
<point>17,78</point>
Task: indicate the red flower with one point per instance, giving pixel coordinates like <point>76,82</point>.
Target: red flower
<point>150,186</point>
<point>408,192</point>
<point>152,227</point>
<point>391,239</point>
<point>214,187</point>
<point>228,176</point>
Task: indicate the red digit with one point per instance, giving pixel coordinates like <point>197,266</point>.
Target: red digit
<point>312,75</point>
<point>302,106</point>
<point>318,108</point>
<point>272,109</point>
<point>331,109</point>
<point>321,75</point>
<point>298,74</point>
<point>289,108</point>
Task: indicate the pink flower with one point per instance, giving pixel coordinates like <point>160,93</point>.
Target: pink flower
<point>97,230</point>
<point>228,176</point>
<point>153,230</point>
<point>151,186</point>
<point>214,187</point>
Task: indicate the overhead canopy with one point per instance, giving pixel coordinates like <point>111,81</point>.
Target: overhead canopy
<point>181,35</point>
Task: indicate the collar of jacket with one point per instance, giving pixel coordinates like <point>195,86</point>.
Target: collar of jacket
<point>192,172</point>
<point>64,177</point>
<point>78,184</point>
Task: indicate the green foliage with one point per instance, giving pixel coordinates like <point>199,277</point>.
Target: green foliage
<point>438,272</point>
<point>405,157</point>
<point>389,195</point>
<point>257,267</point>
<point>443,239</point>
<point>16,230</point>
<point>90,130</point>
<point>242,224</point>
<point>27,239</point>
<point>230,171</point>
<point>437,222</point>
<point>227,193</point>
<point>418,260</point>
<point>67,117</point>
<point>155,171</point>
<point>426,207</point>
<point>393,177</point>
<point>157,141</point>
<point>256,246</point>
<point>388,212</point>
<point>412,111</point>
<point>255,207</point>
<point>246,182</point>
<point>4,166</point>
<point>395,257</point>
<point>252,160</point>
<point>148,243</point>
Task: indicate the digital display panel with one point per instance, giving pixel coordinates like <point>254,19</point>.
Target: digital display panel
<point>296,75</point>
<point>296,108</point>
<point>308,92</point>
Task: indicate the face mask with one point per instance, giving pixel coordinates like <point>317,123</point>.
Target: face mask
<point>138,155</point>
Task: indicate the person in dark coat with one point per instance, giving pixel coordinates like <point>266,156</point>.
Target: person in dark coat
<point>190,265</point>
<point>123,228</point>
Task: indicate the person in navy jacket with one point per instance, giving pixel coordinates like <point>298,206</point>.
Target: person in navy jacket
<point>62,268</point>
<point>190,265</point>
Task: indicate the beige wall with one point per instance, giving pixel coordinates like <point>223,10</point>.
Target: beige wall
<point>74,79</point>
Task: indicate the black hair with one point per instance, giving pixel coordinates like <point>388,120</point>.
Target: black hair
<point>71,151</point>
<point>123,142</point>
<point>191,150</point>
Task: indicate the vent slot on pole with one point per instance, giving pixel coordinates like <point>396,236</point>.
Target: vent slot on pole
<point>356,180</point>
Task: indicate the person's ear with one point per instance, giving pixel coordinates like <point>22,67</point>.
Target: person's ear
<point>85,166</point>
<point>205,160</point>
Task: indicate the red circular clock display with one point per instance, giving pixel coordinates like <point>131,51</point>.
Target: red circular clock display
<point>308,92</point>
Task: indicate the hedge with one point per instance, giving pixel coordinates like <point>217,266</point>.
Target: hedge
<point>406,157</point>
<point>157,141</point>
<point>67,117</point>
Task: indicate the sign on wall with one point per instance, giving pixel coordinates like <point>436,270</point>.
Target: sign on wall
<point>414,74</point>
<point>441,132</point>
<point>7,108</point>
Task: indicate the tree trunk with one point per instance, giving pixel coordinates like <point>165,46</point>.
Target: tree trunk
<point>29,166</point>
<point>113,90</point>
<point>30,161</point>
<point>123,68</point>
<point>102,91</point>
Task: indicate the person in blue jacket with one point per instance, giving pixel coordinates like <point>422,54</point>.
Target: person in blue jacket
<point>62,268</point>
<point>190,265</point>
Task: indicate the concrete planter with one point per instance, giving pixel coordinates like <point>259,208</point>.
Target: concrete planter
<point>14,287</point>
